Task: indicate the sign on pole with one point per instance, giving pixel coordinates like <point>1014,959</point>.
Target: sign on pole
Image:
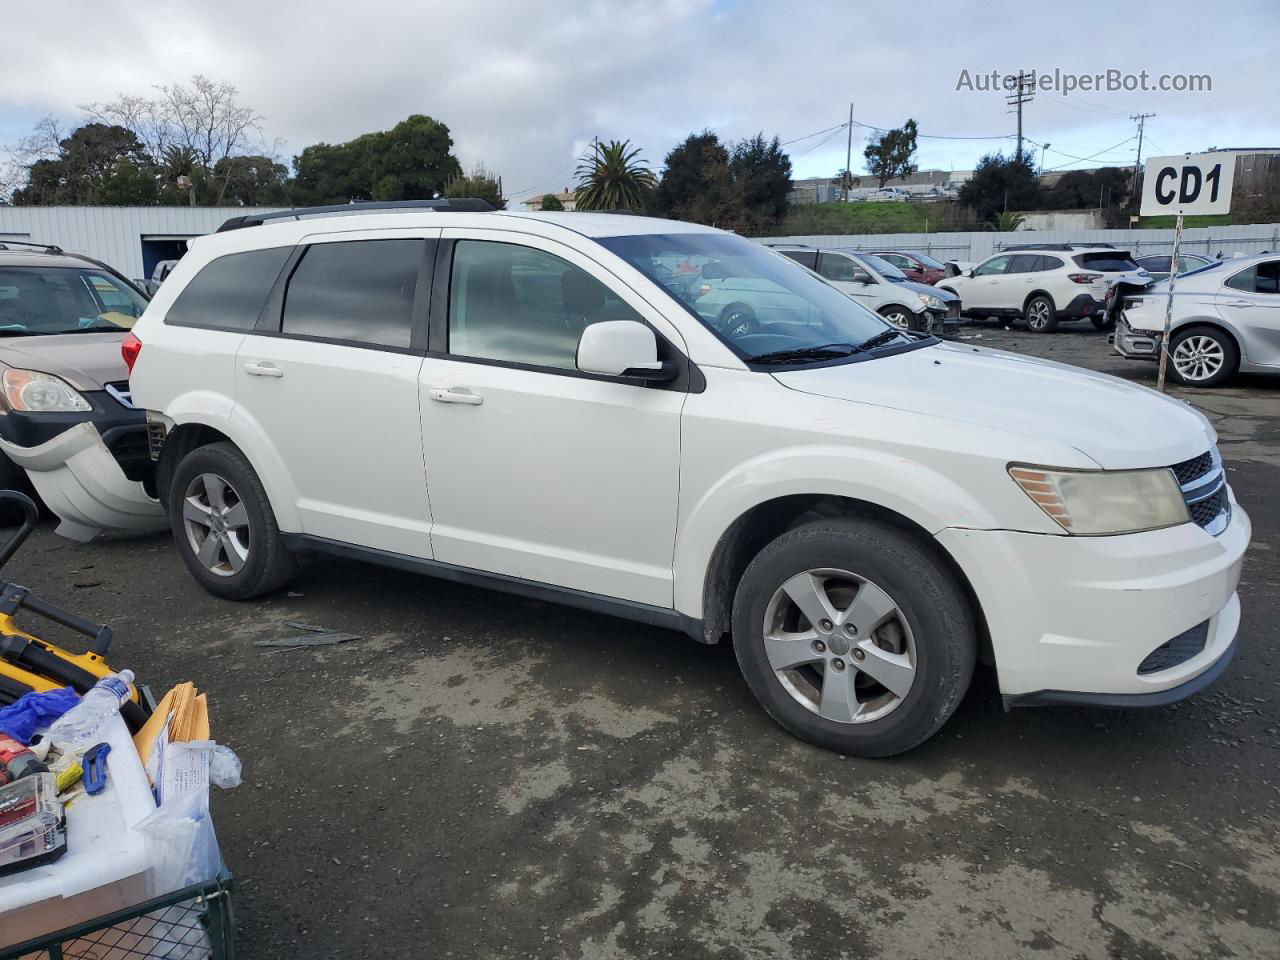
<point>1190,184</point>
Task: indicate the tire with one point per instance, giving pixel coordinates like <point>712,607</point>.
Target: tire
<point>1040,313</point>
<point>1202,357</point>
<point>930,629</point>
<point>247,557</point>
<point>1102,323</point>
<point>738,320</point>
<point>897,315</point>
<point>13,477</point>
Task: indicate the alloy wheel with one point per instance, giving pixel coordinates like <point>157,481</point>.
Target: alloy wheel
<point>1038,315</point>
<point>839,645</point>
<point>217,524</point>
<point>899,320</point>
<point>1198,358</point>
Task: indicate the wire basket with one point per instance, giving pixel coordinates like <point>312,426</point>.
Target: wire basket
<point>195,923</point>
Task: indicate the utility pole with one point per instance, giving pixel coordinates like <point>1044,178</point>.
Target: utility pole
<point>1024,93</point>
<point>1141,120</point>
<point>848,157</point>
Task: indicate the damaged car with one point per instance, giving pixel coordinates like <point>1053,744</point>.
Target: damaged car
<point>67,426</point>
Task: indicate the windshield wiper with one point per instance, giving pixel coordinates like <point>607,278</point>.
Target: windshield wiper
<point>879,340</point>
<point>822,351</point>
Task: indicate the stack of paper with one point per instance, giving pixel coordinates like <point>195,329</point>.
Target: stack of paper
<point>181,718</point>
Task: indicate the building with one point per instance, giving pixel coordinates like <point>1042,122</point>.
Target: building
<point>923,184</point>
<point>568,199</point>
<point>130,239</point>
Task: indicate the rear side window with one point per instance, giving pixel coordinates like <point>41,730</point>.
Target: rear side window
<point>835,267</point>
<point>358,291</point>
<point>228,293</point>
<point>1050,263</point>
<point>1108,262</point>
<point>807,257</point>
<point>1024,263</point>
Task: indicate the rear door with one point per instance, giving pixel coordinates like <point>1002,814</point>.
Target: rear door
<point>330,378</point>
<point>1250,302</point>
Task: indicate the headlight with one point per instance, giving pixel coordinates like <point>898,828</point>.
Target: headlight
<point>34,392</point>
<point>1093,502</point>
<point>930,302</point>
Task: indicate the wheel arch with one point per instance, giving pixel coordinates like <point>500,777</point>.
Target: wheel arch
<point>1039,293</point>
<point>757,526</point>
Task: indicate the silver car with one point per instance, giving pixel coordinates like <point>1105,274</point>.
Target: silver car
<point>1226,318</point>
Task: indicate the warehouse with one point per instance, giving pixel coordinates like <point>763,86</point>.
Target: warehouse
<point>130,239</point>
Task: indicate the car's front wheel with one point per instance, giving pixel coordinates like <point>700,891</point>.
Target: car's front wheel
<point>223,524</point>
<point>854,636</point>
<point>897,315</point>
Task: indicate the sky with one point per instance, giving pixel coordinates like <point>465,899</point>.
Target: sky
<point>524,87</point>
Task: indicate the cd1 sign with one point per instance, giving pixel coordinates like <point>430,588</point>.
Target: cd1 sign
<point>1190,184</point>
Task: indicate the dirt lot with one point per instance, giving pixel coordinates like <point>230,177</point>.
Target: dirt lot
<point>484,776</point>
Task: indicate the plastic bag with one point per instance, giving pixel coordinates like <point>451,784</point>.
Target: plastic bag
<point>181,844</point>
<point>224,767</point>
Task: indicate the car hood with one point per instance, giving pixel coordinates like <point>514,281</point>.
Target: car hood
<point>1117,424</point>
<point>85,360</point>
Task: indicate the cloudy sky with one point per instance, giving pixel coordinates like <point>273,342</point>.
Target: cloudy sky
<point>524,86</point>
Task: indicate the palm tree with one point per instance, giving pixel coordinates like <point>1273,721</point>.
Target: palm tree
<point>612,177</point>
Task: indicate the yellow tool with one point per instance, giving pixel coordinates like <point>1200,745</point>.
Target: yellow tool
<point>28,663</point>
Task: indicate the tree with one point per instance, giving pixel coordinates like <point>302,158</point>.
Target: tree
<point>411,161</point>
<point>697,184</point>
<point>890,155</point>
<point>762,173</point>
<point>613,176</point>
<point>251,182</point>
<point>550,202</point>
<point>97,164</point>
<point>479,183</point>
<point>1008,222</point>
<point>1087,189</point>
<point>1001,183</point>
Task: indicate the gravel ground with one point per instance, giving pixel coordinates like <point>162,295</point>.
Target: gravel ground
<point>486,776</point>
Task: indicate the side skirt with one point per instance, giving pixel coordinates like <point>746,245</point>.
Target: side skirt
<point>567,596</point>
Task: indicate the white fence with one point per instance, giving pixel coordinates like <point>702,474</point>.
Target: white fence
<point>977,245</point>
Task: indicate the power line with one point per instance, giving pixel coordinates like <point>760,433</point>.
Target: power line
<point>838,126</point>
<point>1092,158</point>
<point>933,136</point>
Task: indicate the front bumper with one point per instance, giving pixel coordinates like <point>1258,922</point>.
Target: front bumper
<point>80,480</point>
<point>1135,344</point>
<point>1072,618</point>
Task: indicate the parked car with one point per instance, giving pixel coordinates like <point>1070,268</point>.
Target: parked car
<point>918,267</point>
<point>1226,319</point>
<point>880,286</point>
<point>158,275</point>
<point>1158,265</point>
<point>63,383</point>
<point>1046,284</point>
<point>862,510</point>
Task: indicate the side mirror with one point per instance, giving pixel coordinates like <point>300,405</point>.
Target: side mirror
<point>622,348</point>
<point>967,273</point>
<point>863,278</point>
<point>715,270</point>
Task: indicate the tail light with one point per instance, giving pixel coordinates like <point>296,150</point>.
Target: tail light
<point>129,349</point>
<point>1084,277</point>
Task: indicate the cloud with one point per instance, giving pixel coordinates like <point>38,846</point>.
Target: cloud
<point>524,86</point>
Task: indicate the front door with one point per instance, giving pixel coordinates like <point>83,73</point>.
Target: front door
<point>535,470</point>
<point>983,289</point>
<point>338,354</point>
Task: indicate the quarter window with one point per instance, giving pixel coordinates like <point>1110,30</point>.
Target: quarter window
<point>1243,280</point>
<point>359,291</point>
<point>514,303</point>
<point>1268,277</point>
<point>228,293</point>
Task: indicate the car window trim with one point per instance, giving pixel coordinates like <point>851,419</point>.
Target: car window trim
<point>689,380</point>
<point>271,317</point>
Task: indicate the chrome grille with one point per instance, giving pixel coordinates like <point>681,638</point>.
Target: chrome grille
<point>1204,488</point>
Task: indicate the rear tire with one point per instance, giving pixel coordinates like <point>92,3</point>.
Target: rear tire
<point>894,605</point>
<point>224,527</point>
<point>1041,315</point>
<point>1202,357</point>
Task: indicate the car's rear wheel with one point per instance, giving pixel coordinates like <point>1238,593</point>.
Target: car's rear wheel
<point>854,636</point>
<point>1202,357</point>
<point>1102,323</point>
<point>1040,314</point>
<point>224,527</point>
<point>897,315</point>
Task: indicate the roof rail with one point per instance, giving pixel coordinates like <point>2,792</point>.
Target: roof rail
<point>453,205</point>
<point>46,247</point>
<point>1065,247</point>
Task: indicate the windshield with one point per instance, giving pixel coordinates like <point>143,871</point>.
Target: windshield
<point>38,301</point>
<point>882,267</point>
<point>929,262</point>
<point>757,301</point>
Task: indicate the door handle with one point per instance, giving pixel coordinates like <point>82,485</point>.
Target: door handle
<point>1239,303</point>
<point>263,370</point>
<point>455,395</point>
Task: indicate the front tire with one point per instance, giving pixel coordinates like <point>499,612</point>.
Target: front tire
<point>897,315</point>
<point>224,527</point>
<point>854,637</point>
<point>1041,315</point>
<point>1202,357</point>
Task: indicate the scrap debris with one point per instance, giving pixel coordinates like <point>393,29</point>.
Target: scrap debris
<point>313,637</point>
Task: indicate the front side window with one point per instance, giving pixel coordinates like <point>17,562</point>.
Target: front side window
<point>929,261</point>
<point>993,266</point>
<point>902,263</point>
<point>228,293</point>
<point>358,291</point>
<point>521,305</point>
<point>48,300</point>
<point>1155,264</point>
<point>754,300</point>
<point>882,267</point>
<point>836,266</point>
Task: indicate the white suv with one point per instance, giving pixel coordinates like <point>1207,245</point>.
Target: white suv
<point>534,402</point>
<point>1046,284</point>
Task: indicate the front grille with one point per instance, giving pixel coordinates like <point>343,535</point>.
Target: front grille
<point>1206,511</point>
<point>1178,650</point>
<point>1193,469</point>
